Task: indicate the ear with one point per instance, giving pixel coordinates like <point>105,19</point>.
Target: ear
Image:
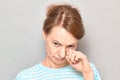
<point>44,35</point>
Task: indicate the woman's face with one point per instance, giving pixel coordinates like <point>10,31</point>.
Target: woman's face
<point>58,41</point>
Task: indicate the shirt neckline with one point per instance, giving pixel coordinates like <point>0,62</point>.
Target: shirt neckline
<point>53,69</point>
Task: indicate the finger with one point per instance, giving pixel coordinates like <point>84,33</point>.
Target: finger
<point>82,57</point>
<point>77,58</point>
<point>66,52</point>
<point>67,58</point>
<point>73,58</point>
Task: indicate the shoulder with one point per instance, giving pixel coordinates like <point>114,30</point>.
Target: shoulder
<point>95,71</point>
<point>24,74</point>
<point>93,67</point>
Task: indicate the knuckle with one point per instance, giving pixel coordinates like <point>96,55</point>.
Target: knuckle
<point>84,56</point>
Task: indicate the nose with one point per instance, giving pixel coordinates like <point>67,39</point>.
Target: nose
<point>62,53</point>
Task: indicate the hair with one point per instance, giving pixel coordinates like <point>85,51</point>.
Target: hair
<point>64,15</point>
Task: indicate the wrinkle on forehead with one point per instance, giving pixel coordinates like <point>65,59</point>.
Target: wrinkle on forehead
<point>60,34</point>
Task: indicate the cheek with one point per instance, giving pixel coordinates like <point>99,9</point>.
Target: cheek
<point>51,50</point>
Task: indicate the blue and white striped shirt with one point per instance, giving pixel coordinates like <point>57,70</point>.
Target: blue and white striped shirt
<point>40,72</point>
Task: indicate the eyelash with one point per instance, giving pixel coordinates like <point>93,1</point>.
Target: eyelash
<point>71,46</point>
<point>55,44</point>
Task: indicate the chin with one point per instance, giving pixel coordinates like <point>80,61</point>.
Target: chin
<point>62,63</point>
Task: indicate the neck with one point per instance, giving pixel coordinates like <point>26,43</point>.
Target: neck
<point>48,63</point>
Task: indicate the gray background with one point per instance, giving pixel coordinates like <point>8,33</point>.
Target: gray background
<point>22,45</point>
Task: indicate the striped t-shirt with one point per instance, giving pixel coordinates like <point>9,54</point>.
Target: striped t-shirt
<point>40,72</point>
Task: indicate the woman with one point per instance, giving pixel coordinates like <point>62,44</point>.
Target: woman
<point>62,29</point>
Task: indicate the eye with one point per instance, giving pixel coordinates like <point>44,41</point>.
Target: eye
<point>71,46</point>
<point>56,44</point>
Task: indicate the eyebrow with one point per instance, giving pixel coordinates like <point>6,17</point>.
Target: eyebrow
<point>67,45</point>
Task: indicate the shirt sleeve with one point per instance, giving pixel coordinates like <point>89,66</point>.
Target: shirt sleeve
<point>95,71</point>
<point>19,77</point>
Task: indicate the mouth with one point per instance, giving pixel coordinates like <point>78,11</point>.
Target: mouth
<point>59,59</point>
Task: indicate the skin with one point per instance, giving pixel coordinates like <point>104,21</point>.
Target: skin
<point>61,51</point>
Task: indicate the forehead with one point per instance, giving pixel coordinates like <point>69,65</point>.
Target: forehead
<point>58,33</point>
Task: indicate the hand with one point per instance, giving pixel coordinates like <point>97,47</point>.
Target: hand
<point>80,62</point>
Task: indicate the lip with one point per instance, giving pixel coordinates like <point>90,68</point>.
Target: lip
<point>59,59</point>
